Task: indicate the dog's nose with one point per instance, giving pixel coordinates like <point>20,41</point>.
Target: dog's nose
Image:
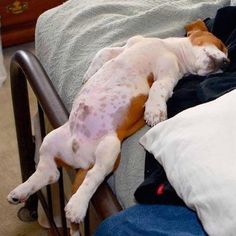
<point>224,64</point>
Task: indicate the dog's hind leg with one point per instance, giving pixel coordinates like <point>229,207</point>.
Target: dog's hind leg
<point>102,56</point>
<point>79,178</point>
<point>106,54</point>
<point>54,145</point>
<point>106,154</point>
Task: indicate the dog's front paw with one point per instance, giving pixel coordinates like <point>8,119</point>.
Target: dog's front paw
<point>76,210</point>
<point>155,114</point>
<point>17,196</point>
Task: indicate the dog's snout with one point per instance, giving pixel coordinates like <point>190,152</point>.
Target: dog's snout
<point>224,64</point>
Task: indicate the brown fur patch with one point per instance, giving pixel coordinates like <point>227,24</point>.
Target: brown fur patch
<point>61,163</point>
<point>133,117</point>
<point>199,35</point>
<point>197,25</point>
<point>79,178</point>
<point>206,38</point>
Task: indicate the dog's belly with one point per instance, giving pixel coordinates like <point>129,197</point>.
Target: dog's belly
<point>99,115</point>
<point>102,104</point>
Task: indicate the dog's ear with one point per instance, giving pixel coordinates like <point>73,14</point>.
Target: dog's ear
<point>197,25</point>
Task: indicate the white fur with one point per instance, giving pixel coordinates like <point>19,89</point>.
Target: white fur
<point>203,58</point>
<point>115,77</point>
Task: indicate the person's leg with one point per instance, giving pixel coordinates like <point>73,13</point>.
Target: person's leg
<point>152,220</point>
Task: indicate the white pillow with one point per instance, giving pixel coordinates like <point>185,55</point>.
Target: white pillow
<point>197,149</point>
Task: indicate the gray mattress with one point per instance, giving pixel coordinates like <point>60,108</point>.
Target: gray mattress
<point>68,36</point>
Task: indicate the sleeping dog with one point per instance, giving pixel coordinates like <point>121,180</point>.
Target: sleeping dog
<point>125,86</point>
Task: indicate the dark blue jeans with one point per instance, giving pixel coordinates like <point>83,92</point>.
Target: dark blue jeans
<point>152,220</point>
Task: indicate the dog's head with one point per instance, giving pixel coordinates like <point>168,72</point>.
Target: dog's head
<point>210,52</point>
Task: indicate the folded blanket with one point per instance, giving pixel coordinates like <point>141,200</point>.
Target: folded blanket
<point>190,91</point>
<point>68,37</point>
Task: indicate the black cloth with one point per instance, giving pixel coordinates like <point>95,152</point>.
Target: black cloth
<point>191,91</point>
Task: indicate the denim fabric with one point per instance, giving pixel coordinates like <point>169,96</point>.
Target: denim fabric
<point>152,220</point>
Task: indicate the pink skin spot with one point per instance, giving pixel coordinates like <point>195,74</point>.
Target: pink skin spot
<point>84,111</point>
<point>124,96</point>
<point>85,131</point>
<point>23,199</point>
<point>75,146</point>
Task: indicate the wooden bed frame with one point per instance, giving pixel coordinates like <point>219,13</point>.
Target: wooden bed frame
<point>26,67</point>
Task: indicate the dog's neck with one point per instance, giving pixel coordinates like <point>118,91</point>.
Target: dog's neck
<point>183,49</point>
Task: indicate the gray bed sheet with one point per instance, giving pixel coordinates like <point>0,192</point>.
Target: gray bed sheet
<point>68,37</point>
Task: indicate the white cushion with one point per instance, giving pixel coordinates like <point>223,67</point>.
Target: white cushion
<point>197,149</point>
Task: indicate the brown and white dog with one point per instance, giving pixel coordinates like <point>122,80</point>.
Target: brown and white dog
<point>125,87</point>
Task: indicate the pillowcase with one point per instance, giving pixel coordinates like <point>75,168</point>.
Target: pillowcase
<point>197,149</point>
